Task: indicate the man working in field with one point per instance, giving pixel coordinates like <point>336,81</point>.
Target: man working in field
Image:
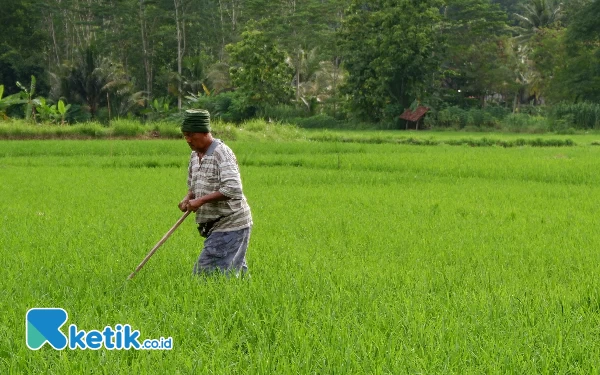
<point>215,194</point>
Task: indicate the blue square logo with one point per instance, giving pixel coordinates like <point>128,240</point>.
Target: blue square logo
<point>42,325</point>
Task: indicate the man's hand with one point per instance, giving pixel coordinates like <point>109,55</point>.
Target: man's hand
<point>190,204</point>
<point>194,204</point>
<point>185,201</point>
<point>183,205</point>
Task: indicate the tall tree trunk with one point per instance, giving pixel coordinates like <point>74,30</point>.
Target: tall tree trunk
<point>298,65</point>
<point>234,15</point>
<point>232,9</point>
<point>336,67</point>
<point>223,43</point>
<point>54,44</point>
<point>180,26</point>
<point>146,56</point>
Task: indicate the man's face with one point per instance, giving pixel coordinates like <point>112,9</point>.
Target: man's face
<point>197,141</point>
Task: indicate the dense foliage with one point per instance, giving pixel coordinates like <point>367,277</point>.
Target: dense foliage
<point>338,59</point>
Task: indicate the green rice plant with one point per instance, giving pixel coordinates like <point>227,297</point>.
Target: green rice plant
<point>321,121</point>
<point>255,126</point>
<point>524,123</point>
<point>167,130</point>
<point>282,113</point>
<point>225,131</point>
<point>485,262</point>
<point>263,130</point>
<point>91,129</point>
<point>127,128</point>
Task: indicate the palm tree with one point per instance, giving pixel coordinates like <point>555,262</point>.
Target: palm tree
<point>79,83</point>
<point>536,15</point>
<point>305,65</point>
<point>218,77</point>
<point>98,81</point>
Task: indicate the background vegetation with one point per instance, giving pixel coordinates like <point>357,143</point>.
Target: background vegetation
<point>334,63</point>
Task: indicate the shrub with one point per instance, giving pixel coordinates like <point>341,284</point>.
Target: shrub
<point>228,106</point>
<point>579,115</point>
<point>260,129</point>
<point>454,117</point>
<point>283,112</point>
<point>480,118</point>
<point>497,112</point>
<point>224,131</point>
<point>168,129</point>
<point>127,128</point>
<point>91,129</point>
<point>321,121</point>
<point>523,123</point>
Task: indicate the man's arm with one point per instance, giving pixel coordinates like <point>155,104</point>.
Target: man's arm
<point>195,204</point>
<point>230,180</point>
<point>190,194</point>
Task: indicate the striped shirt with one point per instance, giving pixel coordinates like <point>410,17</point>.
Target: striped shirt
<point>218,171</point>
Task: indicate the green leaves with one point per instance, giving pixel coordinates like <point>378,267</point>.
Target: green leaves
<point>8,101</point>
<point>27,95</point>
<point>61,107</point>
<point>51,113</point>
<point>389,53</point>
<point>259,70</point>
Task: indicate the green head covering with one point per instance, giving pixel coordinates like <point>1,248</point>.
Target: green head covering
<point>196,121</point>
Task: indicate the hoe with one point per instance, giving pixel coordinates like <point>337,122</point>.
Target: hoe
<point>162,240</point>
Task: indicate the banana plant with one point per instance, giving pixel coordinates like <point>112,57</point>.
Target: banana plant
<point>27,95</point>
<point>159,108</point>
<point>52,113</point>
<point>8,101</point>
<point>62,110</point>
<point>46,112</point>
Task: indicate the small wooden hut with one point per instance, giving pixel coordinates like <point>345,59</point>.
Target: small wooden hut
<point>414,116</point>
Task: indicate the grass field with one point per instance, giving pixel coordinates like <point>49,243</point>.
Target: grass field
<point>364,258</point>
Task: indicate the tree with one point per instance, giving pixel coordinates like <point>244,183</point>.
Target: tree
<point>22,43</point>
<point>548,57</point>
<point>570,10</point>
<point>586,28</point>
<point>181,9</point>
<point>538,14</point>
<point>510,7</point>
<point>305,31</point>
<point>563,64</point>
<point>93,80</point>
<point>578,76</point>
<point>472,62</point>
<point>259,70</point>
<point>390,54</point>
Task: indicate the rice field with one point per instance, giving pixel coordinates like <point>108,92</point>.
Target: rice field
<point>364,258</point>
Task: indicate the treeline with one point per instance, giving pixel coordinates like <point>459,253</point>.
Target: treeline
<point>325,60</point>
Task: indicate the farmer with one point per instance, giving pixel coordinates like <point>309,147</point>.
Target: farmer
<point>215,194</point>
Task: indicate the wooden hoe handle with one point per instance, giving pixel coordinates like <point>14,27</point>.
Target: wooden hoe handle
<point>162,240</point>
